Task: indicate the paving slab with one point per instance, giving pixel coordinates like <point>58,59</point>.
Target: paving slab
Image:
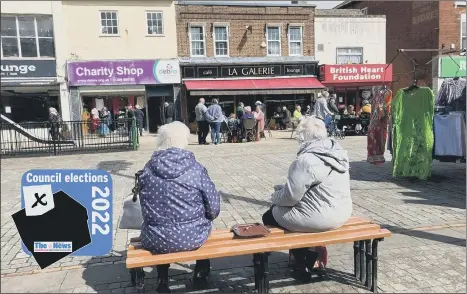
<point>425,254</point>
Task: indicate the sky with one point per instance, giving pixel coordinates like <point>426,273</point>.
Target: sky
<point>325,4</point>
<point>319,4</point>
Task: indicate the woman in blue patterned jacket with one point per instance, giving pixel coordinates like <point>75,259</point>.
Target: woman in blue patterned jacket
<point>178,201</point>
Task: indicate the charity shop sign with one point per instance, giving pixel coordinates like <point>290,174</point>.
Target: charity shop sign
<point>65,213</point>
<point>355,73</point>
<point>123,72</point>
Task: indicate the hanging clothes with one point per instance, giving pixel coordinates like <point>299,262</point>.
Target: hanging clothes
<point>412,132</point>
<point>449,130</point>
<point>389,141</point>
<point>378,128</point>
<point>451,94</point>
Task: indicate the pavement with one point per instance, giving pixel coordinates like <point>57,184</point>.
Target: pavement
<point>427,252</point>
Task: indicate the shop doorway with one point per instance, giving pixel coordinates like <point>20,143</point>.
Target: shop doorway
<point>156,113</point>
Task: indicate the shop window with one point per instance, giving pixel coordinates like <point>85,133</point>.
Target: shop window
<point>27,36</point>
<point>155,23</point>
<point>274,40</point>
<point>463,32</point>
<point>221,40</point>
<point>352,55</point>
<point>197,40</point>
<point>109,23</point>
<point>295,41</point>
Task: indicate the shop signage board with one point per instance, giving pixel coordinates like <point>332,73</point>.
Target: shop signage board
<point>22,68</point>
<point>355,73</point>
<point>452,66</point>
<point>248,71</point>
<point>123,72</point>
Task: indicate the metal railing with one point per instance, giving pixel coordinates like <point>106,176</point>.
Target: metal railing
<point>67,137</point>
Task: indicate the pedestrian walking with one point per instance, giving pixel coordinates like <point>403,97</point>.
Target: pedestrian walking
<point>139,115</point>
<point>203,125</point>
<point>215,118</point>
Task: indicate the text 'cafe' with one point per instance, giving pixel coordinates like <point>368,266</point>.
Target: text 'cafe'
<point>273,81</point>
<point>353,82</point>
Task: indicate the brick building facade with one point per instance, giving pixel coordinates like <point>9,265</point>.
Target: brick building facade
<point>246,53</point>
<point>246,28</point>
<point>416,25</point>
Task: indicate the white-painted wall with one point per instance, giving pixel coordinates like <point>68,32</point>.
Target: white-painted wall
<point>335,32</point>
<point>85,42</point>
<point>53,8</point>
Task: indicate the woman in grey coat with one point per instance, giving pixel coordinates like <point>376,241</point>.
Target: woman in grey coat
<point>316,195</point>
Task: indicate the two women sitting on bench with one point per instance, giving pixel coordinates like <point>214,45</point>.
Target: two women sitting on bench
<point>178,201</point>
<point>316,195</point>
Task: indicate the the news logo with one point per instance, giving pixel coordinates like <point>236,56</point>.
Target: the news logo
<point>53,246</point>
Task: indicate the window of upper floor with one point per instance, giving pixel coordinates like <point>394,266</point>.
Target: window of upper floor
<point>349,55</point>
<point>155,23</point>
<point>463,32</point>
<point>295,37</point>
<point>109,23</point>
<point>220,36</point>
<point>27,36</point>
<point>197,40</point>
<point>273,40</point>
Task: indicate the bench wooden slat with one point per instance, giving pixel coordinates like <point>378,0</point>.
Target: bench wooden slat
<point>271,246</point>
<point>226,234</point>
<point>285,235</point>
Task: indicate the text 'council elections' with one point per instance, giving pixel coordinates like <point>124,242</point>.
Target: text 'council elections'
<point>66,177</point>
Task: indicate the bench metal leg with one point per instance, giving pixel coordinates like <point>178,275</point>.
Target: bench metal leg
<point>369,259</point>
<point>362,260</point>
<point>137,279</point>
<point>356,259</point>
<point>261,266</point>
<point>374,259</point>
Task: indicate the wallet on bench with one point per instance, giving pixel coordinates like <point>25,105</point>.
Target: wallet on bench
<point>250,230</point>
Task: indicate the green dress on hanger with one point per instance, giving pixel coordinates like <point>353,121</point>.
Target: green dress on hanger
<point>412,132</point>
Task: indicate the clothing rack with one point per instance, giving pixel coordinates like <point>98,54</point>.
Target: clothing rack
<point>416,64</point>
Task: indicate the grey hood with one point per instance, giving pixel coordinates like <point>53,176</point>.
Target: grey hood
<point>329,151</point>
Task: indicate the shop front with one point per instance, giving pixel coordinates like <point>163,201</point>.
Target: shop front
<point>28,89</point>
<point>275,82</point>
<point>115,84</point>
<point>353,82</point>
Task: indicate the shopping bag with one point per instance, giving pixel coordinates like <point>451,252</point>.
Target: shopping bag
<point>132,217</point>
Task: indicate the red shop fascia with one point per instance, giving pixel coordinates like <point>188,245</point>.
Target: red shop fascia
<point>350,81</point>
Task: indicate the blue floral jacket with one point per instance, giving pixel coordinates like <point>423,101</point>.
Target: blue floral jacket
<point>178,202</point>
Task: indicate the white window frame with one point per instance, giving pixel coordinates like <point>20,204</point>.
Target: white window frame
<point>101,27</point>
<point>227,27</point>
<point>461,37</point>
<point>202,25</point>
<point>348,54</point>
<point>279,26</point>
<point>301,39</point>
<point>36,36</point>
<point>147,19</point>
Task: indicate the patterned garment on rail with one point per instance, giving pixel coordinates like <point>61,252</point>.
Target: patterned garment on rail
<point>378,128</point>
<point>412,130</point>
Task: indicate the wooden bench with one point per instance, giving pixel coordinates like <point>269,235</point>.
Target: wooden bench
<point>223,243</point>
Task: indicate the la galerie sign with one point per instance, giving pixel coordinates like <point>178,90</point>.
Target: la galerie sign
<point>357,73</point>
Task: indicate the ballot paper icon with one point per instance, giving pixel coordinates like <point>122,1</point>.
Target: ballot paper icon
<point>56,233</point>
<point>38,199</point>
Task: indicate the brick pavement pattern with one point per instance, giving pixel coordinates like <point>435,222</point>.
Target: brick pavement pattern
<point>425,254</point>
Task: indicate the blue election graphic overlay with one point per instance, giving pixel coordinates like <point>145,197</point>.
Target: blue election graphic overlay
<point>90,188</point>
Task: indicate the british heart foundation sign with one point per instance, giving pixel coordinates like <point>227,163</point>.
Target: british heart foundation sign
<point>357,73</point>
